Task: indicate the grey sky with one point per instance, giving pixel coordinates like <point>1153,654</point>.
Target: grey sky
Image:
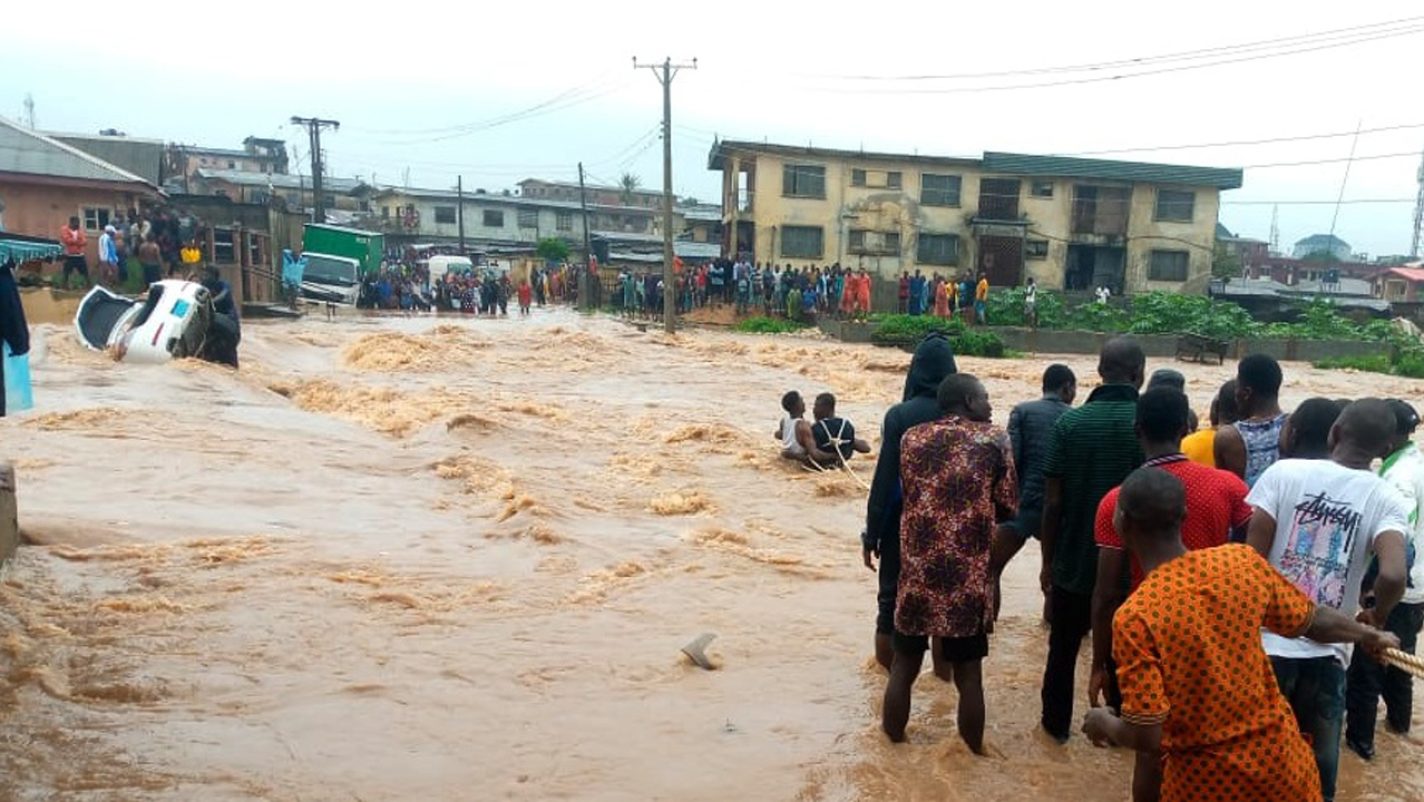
<point>416,85</point>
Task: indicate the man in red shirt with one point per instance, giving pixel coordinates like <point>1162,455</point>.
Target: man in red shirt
<point>75,242</point>
<point>1216,506</point>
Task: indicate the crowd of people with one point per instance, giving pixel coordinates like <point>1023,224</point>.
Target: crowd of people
<point>1224,573</point>
<point>405,285</point>
<point>769,289</point>
<point>163,242</point>
<point>942,296</point>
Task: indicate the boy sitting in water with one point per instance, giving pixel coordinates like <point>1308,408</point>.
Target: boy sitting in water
<point>794,432</point>
<point>833,434</point>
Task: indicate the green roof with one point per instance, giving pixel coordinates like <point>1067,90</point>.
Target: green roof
<point>1143,172</point>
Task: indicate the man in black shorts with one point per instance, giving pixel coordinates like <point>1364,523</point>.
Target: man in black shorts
<point>75,241</point>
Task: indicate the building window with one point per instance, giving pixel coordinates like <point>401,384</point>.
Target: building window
<point>445,215</point>
<point>1036,249</point>
<point>231,165</point>
<point>1168,266</point>
<point>528,218</point>
<point>1041,189</point>
<point>939,190</point>
<point>254,249</point>
<point>1175,205</point>
<point>857,178</point>
<point>493,218</point>
<point>328,200</point>
<point>222,246</point>
<point>894,179</point>
<point>876,180</point>
<point>385,212</point>
<point>937,249</point>
<point>803,181</point>
<point>874,243</point>
<point>564,221</point>
<point>95,219</point>
<point>801,242</point>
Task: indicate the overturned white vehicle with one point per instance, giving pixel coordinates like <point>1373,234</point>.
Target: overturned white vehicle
<point>176,320</point>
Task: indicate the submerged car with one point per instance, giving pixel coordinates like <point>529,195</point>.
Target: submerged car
<point>172,322</point>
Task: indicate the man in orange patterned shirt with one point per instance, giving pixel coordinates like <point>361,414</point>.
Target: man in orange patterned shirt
<point>1197,687</point>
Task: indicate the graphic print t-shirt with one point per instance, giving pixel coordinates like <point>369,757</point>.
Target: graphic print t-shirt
<point>1327,518</point>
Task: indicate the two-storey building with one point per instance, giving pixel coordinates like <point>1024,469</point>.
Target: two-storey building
<point>1070,223</point>
<point>490,221</point>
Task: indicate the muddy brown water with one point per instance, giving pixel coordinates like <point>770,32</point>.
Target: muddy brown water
<point>407,559</point>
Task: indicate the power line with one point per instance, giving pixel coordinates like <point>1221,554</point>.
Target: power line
<point>537,110</point>
<point>1246,142</point>
<point>1125,75</point>
<point>565,94</point>
<point>1332,201</point>
<point>1129,62</point>
<point>1410,154</point>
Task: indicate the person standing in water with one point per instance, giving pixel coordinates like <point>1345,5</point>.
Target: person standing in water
<point>1197,688</point>
<point>1317,522</point>
<point>1250,446</point>
<point>932,362</point>
<point>958,475</point>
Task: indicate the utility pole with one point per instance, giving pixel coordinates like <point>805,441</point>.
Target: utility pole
<point>460,209</point>
<point>314,126</point>
<point>664,73</point>
<point>30,110</point>
<point>587,241</point>
<point>1418,213</point>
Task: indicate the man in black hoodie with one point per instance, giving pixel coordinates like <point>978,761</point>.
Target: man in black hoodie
<point>933,361</point>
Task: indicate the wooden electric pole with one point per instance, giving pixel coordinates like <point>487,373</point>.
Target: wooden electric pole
<point>587,243</point>
<point>314,126</point>
<point>460,209</point>
<point>664,73</point>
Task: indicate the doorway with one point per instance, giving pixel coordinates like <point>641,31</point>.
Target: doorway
<point>1001,259</point>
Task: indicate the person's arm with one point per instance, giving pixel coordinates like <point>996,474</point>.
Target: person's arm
<point>882,486</point>
<point>1391,556</point>
<point>1229,450</point>
<point>862,445</point>
<point>1261,532</point>
<point>1048,528</point>
<point>1016,435</point>
<point>1107,597</point>
<point>808,441</point>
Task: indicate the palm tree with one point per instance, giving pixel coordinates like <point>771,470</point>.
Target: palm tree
<point>630,184</point>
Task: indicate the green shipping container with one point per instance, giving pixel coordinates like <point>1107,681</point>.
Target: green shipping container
<point>366,247</point>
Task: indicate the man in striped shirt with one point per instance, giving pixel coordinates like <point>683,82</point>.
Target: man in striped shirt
<point>1093,448</point>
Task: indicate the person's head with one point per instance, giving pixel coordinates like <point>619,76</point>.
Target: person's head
<point>792,403</point>
<point>211,273</point>
<point>74,222</point>
<point>1059,380</point>
<point>1364,430</point>
<point>825,406</point>
<point>1406,420</point>
<point>1151,505</point>
<point>110,230</point>
<point>1032,281</point>
<point>1162,419</point>
<point>1167,377</point>
<point>1223,407</point>
<point>1258,384</point>
<point>1121,361</point>
<point>963,395</point>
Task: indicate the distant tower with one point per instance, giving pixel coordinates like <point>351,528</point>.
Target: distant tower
<point>1275,229</point>
<point>30,110</point>
<point>1418,213</point>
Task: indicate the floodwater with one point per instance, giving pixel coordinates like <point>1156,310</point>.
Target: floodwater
<point>409,559</point>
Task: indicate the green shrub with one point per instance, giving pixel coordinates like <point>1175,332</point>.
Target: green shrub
<point>762,324</point>
<point>978,343</point>
<point>1006,308</point>
<point>907,329</point>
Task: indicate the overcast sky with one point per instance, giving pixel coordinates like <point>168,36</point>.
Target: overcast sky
<point>501,92</point>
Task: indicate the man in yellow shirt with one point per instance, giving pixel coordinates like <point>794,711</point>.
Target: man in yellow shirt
<point>981,299</point>
<point>1198,446</point>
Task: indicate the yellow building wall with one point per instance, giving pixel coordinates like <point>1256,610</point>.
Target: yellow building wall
<point>877,209</point>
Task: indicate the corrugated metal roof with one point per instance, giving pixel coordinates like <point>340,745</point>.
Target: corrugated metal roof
<point>1137,172</point>
<point>33,153</point>
<point>278,180</point>
<point>142,157</point>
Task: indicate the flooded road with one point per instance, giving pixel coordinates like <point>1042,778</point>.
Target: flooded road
<point>413,559</point>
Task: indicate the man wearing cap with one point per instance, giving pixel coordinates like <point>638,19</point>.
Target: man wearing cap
<point>1369,679</point>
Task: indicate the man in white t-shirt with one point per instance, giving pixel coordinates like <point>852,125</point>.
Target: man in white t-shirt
<point>1369,679</point>
<point>1317,521</point>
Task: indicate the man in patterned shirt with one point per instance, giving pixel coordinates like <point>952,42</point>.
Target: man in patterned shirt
<point>1197,687</point>
<point>959,485</point>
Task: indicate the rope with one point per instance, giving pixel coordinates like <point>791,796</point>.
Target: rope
<point>1405,662</point>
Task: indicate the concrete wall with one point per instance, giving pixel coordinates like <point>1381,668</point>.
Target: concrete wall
<point>1165,345</point>
<point>39,210</point>
<point>880,209</point>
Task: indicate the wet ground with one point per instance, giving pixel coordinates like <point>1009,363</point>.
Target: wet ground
<point>413,559</point>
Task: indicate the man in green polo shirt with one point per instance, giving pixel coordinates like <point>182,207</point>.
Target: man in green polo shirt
<point>1092,450</point>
